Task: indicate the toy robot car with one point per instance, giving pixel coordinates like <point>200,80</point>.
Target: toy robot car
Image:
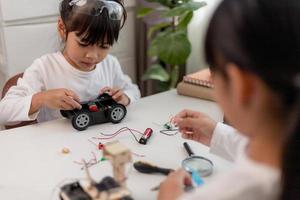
<point>100,110</point>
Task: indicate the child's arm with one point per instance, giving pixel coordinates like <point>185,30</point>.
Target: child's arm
<point>23,101</point>
<point>62,99</point>
<point>195,126</point>
<point>227,142</point>
<point>15,106</point>
<point>223,140</point>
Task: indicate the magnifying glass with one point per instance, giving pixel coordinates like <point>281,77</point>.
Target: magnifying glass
<point>199,164</point>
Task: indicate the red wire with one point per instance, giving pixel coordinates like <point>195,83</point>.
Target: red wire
<point>93,161</point>
<point>110,136</point>
<point>136,131</point>
<point>138,155</point>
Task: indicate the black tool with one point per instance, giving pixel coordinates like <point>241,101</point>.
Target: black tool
<point>192,154</point>
<point>188,149</point>
<point>147,168</point>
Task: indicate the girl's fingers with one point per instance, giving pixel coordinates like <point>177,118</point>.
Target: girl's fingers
<point>187,113</point>
<point>72,94</point>
<point>187,136</point>
<point>182,114</point>
<point>106,89</point>
<point>182,177</point>
<point>187,130</point>
<point>184,136</point>
<point>187,124</point>
<point>65,106</point>
<point>118,93</point>
<point>187,179</point>
<point>70,101</point>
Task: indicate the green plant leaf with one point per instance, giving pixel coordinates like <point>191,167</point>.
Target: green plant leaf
<point>167,3</point>
<point>144,11</point>
<point>156,72</point>
<point>156,42</point>
<point>185,20</point>
<point>154,45</point>
<point>189,6</point>
<point>157,27</point>
<point>163,86</point>
<point>171,47</point>
<point>174,76</point>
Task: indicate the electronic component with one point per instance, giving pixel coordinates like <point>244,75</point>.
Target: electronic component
<point>107,189</point>
<point>118,155</point>
<point>147,134</point>
<point>100,146</point>
<point>73,191</point>
<point>168,126</point>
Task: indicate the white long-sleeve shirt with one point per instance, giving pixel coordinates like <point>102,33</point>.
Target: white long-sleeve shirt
<point>53,71</point>
<point>248,180</point>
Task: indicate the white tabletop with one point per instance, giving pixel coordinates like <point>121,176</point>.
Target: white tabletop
<point>33,167</point>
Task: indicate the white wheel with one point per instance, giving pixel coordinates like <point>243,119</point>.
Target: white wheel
<point>81,121</point>
<point>117,113</point>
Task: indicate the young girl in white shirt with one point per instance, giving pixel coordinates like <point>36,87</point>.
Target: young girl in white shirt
<point>253,49</point>
<point>80,71</point>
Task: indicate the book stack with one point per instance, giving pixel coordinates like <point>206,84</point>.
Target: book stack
<point>198,84</point>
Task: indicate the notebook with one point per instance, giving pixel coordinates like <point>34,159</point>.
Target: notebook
<point>202,78</point>
<point>196,91</point>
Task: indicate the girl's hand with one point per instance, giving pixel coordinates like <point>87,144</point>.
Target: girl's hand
<point>117,94</point>
<point>173,186</point>
<point>62,99</point>
<point>195,126</point>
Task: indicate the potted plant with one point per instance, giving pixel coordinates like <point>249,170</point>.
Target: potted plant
<point>170,46</point>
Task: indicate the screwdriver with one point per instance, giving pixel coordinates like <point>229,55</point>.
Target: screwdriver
<point>148,168</point>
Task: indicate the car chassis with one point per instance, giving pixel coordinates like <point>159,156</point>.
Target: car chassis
<point>100,110</point>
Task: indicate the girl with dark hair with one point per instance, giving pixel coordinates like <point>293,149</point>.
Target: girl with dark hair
<point>253,49</point>
<point>80,71</point>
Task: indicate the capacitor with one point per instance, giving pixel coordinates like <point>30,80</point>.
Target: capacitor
<point>100,146</point>
<point>147,134</point>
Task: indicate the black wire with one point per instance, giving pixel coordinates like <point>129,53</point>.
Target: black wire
<point>133,135</point>
<point>120,130</point>
<point>165,132</point>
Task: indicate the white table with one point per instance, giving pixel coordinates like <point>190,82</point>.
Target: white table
<point>33,167</point>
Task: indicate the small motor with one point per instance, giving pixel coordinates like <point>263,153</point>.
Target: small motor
<point>73,191</point>
<point>107,189</point>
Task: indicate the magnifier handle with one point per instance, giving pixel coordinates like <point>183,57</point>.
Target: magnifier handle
<point>188,149</point>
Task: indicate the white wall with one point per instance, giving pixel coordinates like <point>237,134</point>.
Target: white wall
<point>28,31</point>
<point>197,31</point>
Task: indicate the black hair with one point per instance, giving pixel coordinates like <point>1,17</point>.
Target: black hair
<point>291,159</point>
<point>91,29</point>
<point>263,37</point>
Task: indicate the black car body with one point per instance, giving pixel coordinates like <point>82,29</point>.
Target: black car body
<point>100,110</point>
